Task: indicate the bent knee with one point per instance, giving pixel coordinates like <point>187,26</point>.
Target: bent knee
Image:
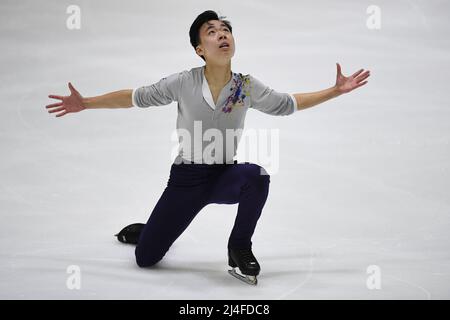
<point>143,263</point>
<point>144,260</point>
<point>257,172</point>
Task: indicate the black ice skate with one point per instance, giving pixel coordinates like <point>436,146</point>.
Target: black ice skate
<point>130,234</point>
<point>247,263</point>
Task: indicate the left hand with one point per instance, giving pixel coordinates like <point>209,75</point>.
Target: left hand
<point>347,84</point>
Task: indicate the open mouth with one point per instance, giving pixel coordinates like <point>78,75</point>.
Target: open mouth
<point>225,45</point>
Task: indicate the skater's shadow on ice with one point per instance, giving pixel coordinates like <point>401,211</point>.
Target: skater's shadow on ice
<point>215,271</point>
<point>208,270</point>
<point>187,266</point>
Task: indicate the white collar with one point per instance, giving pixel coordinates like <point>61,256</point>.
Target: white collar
<point>207,93</point>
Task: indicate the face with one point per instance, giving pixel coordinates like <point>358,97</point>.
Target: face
<point>212,34</point>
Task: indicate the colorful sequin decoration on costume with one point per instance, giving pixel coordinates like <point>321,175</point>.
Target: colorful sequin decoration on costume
<point>239,90</point>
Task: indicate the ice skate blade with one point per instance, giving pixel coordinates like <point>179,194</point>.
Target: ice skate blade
<point>252,280</point>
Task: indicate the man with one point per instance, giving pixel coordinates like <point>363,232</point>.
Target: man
<point>211,97</point>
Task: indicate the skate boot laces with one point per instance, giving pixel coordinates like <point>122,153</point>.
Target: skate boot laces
<point>247,256</point>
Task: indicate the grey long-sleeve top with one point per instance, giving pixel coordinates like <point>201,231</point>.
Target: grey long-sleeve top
<point>201,125</point>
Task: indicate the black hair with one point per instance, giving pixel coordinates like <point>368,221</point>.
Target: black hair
<point>194,31</point>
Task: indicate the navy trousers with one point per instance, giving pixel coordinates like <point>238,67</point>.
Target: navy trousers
<point>193,186</point>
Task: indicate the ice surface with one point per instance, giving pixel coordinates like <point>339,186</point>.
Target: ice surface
<point>363,178</point>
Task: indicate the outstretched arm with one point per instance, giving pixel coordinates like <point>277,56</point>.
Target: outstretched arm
<point>343,85</point>
<point>76,102</point>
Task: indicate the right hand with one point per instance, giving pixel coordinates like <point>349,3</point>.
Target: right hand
<point>72,103</point>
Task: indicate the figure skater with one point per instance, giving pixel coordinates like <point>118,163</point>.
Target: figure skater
<point>210,97</point>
